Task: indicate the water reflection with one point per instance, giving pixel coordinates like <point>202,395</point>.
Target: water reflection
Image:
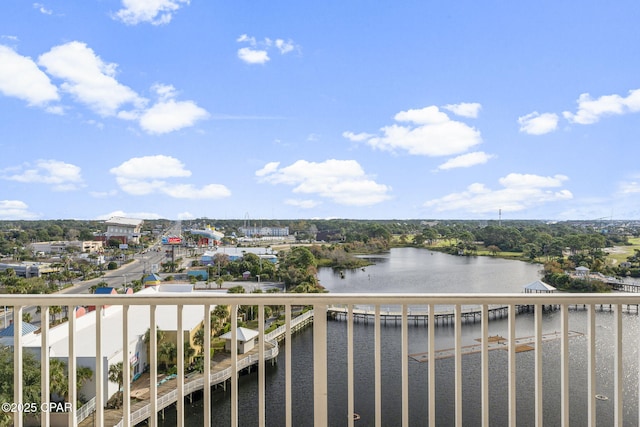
<point>411,270</point>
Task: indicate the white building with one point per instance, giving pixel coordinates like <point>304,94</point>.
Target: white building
<point>246,339</point>
<point>166,319</point>
<point>59,247</point>
<point>264,231</point>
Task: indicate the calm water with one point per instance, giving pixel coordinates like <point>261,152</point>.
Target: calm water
<point>412,270</point>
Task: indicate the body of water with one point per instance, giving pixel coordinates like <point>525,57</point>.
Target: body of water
<point>415,270</point>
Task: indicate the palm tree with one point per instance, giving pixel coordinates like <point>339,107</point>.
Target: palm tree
<point>115,376</point>
<point>189,352</point>
<point>159,335</point>
<point>198,337</point>
<point>83,375</point>
<point>221,312</point>
<point>59,380</point>
<point>167,353</point>
<point>54,311</point>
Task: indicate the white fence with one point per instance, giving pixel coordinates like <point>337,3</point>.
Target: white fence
<point>321,302</point>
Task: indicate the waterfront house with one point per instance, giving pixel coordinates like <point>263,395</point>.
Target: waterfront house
<point>538,287</point>
<point>246,340</point>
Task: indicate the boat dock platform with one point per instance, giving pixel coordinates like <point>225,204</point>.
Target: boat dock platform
<point>420,316</point>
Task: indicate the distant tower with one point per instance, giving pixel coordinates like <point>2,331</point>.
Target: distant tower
<point>499,217</point>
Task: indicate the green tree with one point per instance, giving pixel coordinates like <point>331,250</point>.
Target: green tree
<point>59,378</point>
<point>167,353</point>
<point>116,376</point>
<point>159,335</point>
<point>30,385</point>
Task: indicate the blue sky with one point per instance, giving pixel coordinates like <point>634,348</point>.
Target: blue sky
<point>339,109</point>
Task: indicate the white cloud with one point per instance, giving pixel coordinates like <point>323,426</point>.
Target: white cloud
<point>430,132</point>
<point>629,187</point>
<point>253,56</point>
<point>357,137</point>
<point>103,194</point>
<point>424,116</point>
<point>15,210</point>
<point>164,92</point>
<point>304,204</point>
<point>519,192</point>
<point>518,180</point>
<point>464,109</point>
<point>151,167</point>
<point>167,115</point>
<point>185,215</point>
<point>269,168</point>
<point>21,78</point>
<point>341,181</point>
<point>284,46</point>
<point>42,9</point>
<point>245,38</point>
<point>90,80</point>
<point>93,83</point>
<point>60,175</point>
<point>156,12</point>
<point>138,215</point>
<point>258,52</point>
<point>466,160</point>
<point>188,191</point>
<point>591,110</point>
<point>538,124</point>
<point>171,115</point>
<point>148,175</point>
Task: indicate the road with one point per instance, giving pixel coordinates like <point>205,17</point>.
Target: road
<point>141,264</point>
<point>134,270</point>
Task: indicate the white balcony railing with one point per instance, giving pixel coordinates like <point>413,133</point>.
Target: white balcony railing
<point>408,309</point>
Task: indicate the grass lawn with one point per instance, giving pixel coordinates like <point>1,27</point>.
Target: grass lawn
<point>217,344</point>
<point>621,253</point>
<point>506,255</point>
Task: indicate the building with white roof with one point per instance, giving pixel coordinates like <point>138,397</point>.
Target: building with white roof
<point>59,247</point>
<point>139,321</point>
<point>539,287</point>
<point>246,339</point>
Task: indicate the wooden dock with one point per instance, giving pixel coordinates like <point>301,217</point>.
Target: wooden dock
<point>417,317</point>
<point>140,393</point>
<point>626,308</point>
<point>194,382</point>
<point>495,342</point>
<point>447,317</point>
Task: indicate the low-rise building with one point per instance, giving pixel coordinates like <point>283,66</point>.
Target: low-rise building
<point>28,269</point>
<point>127,230</point>
<point>139,315</point>
<point>59,247</point>
<point>264,231</point>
